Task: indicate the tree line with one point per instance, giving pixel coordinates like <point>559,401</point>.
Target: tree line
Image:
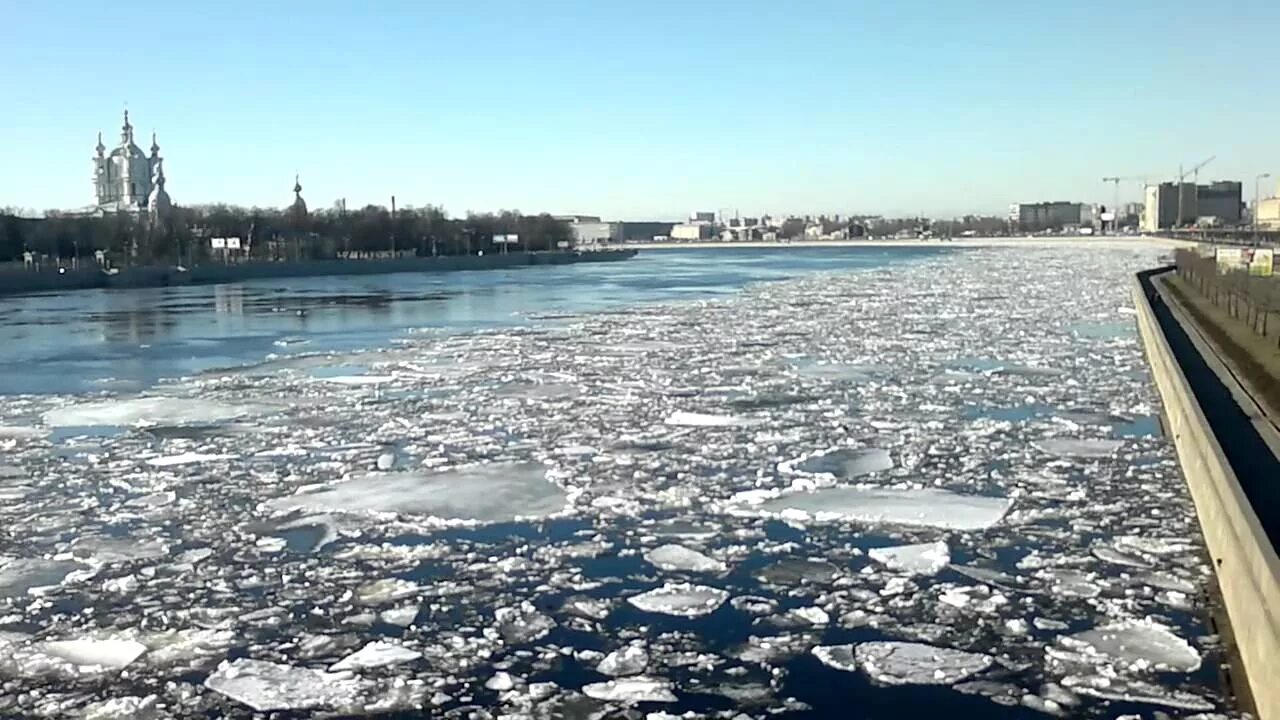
<point>272,234</point>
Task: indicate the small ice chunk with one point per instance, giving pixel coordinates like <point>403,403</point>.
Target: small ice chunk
<point>927,507</point>
<point>128,707</point>
<point>386,461</point>
<point>813,615</point>
<point>921,559</point>
<point>840,657</point>
<point>630,660</point>
<point>693,419</point>
<point>376,654</point>
<point>681,599</point>
<point>905,663</point>
<point>88,652</point>
<point>500,682</point>
<point>1081,448</point>
<point>266,686</point>
<point>632,690</point>
<point>679,557</point>
<point>187,458</point>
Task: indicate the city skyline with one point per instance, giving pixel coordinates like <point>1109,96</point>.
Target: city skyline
<point>575,108</point>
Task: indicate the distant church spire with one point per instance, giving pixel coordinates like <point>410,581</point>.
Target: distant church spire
<point>297,187</point>
<point>155,147</point>
<point>126,131</point>
<point>101,148</point>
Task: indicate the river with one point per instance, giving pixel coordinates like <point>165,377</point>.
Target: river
<point>806,483</point>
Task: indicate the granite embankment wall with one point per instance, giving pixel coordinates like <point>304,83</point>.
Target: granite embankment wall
<point>1230,471</point>
<point>43,281</point>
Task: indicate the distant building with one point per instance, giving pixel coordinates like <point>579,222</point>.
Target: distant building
<point>1176,204</point>
<point>1031,217</point>
<point>1267,213</point>
<point>591,230</point>
<point>124,179</point>
<point>692,231</point>
<point>1222,200</point>
<point>644,230</point>
<point>702,217</point>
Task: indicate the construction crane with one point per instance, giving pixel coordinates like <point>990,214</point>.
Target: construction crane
<point>1115,205</point>
<point>1182,176</point>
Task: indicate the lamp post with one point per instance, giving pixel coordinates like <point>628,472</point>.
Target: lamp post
<point>1256,180</point>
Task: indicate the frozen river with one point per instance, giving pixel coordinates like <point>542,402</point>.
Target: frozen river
<point>723,484</point>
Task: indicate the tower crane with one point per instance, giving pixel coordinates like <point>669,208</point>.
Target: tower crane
<point>1115,205</point>
<point>1182,176</point>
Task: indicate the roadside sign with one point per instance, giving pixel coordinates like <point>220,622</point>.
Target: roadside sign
<point>513,239</point>
<point>1230,259</point>
<point>218,243</point>
<point>1263,262</point>
<point>233,243</point>
<point>562,243</point>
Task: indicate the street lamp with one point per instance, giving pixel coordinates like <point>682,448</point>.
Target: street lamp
<point>1261,176</point>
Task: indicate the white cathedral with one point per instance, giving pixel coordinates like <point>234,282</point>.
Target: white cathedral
<point>127,180</point>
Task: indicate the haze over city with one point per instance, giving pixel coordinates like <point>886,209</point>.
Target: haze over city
<point>894,108</point>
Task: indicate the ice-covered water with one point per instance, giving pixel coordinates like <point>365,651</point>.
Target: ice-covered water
<point>885,489</point>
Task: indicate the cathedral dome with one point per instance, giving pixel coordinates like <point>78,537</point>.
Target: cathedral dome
<point>298,209</point>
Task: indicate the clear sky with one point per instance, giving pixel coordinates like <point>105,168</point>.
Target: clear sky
<point>642,110</point>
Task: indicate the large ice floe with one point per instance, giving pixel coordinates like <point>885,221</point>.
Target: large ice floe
<point>485,493</point>
<point>900,490</point>
<point>927,507</point>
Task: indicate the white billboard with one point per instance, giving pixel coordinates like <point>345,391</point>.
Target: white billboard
<point>217,243</point>
<point>233,243</point>
<point>513,239</point>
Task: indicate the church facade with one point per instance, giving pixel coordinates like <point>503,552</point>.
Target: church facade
<point>127,179</point>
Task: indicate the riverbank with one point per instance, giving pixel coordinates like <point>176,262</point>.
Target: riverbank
<point>18,283</point>
<point>1110,241</point>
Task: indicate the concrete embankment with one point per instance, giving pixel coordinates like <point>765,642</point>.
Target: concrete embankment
<point>212,274</point>
<point>1234,480</point>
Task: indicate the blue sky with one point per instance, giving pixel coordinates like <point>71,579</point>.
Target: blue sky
<point>642,110</point>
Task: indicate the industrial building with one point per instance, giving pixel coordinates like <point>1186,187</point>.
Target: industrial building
<point>1170,205</point>
<point>1030,217</point>
<point>692,231</point>
<point>1267,213</point>
<point>591,230</point>
<point>1222,200</point>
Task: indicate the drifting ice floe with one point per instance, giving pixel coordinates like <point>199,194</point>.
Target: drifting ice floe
<point>693,419</point>
<point>266,686</point>
<point>375,654</point>
<point>630,660</point>
<point>922,559</point>
<point>484,493</point>
<point>88,652</point>
<point>1131,645</point>
<point>147,411</point>
<point>17,577</point>
<point>678,557</point>
<point>632,690</point>
<point>928,507</point>
<point>905,663</point>
<point>1068,447</point>
<point>682,599</point>
<point>187,459</point>
<point>849,463</point>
